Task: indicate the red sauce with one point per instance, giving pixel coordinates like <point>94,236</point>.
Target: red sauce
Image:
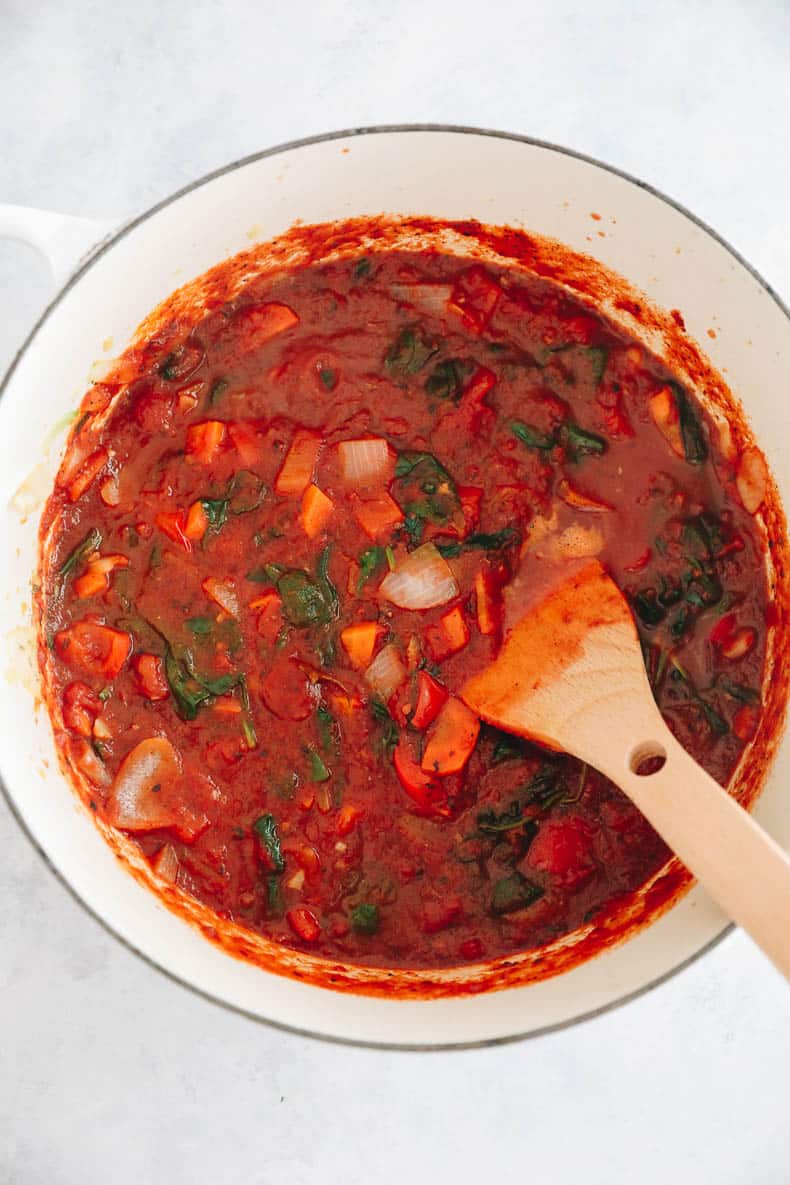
<point>234,673</point>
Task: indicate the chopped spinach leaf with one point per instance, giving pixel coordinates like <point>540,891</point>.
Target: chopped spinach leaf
<point>365,918</point>
<point>369,563</point>
<point>389,729</point>
<point>695,445</point>
<point>328,377</point>
<point>409,353</point>
<point>514,892</point>
<point>265,828</point>
<point>739,692</point>
<point>530,436</point>
<point>318,768</point>
<point>579,442</point>
<point>447,379</point>
<point>218,388</point>
<point>361,269</point>
<point>507,748</point>
<point>599,356</point>
<point>494,541</point>
<point>201,626</point>
<point>91,543</point>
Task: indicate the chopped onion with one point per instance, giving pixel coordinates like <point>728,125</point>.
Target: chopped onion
<point>429,298</point>
<point>138,799</point>
<point>422,581</point>
<point>386,673</point>
<point>578,542</point>
<point>223,592</point>
<point>365,462</point>
<point>165,863</point>
<point>752,479</point>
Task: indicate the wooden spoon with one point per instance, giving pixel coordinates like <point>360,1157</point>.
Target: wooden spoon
<point>570,676</point>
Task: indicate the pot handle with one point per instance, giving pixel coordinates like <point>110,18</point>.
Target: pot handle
<point>63,239</point>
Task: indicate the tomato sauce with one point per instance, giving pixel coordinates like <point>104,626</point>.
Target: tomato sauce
<point>289,541</point>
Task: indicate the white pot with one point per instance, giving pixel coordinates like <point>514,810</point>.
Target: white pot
<point>447,173</point>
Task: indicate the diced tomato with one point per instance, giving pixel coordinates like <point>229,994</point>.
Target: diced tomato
<point>96,577</point>
<point>286,691</point>
<point>304,924</point>
<point>431,698</point>
<point>95,649</point>
<point>360,642</point>
<point>723,629</point>
<point>563,849</point>
<point>150,676</point>
<point>440,915</point>
<point>474,297</point>
<point>470,498</point>
<point>449,636</point>
<point>308,859</point>
<point>746,721</point>
<point>641,562</point>
<point>615,421</point>
<point>738,644</point>
<point>196,523</point>
<point>316,511</point>
<point>296,471</point>
<point>89,470</point>
<point>348,817</point>
<point>270,616</point>
<point>81,706</point>
<point>204,440</point>
<point>472,948</point>
<point>377,516</point>
<point>488,602</point>
<point>452,739</point>
<point>423,789</point>
<point>580,328</point>
<point>244,439</point>
<point>174,526</point>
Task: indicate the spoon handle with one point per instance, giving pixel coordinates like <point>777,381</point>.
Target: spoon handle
<point>741,866</point>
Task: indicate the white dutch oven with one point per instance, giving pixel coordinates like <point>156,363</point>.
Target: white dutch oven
<point>447,173</point>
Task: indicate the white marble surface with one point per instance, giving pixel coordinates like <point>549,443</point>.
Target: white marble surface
<point>109,1072</point>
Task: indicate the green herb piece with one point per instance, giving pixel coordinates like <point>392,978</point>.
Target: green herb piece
<point>389,729</point>
<point>365,918</point>
<point>491,823</point>
<point>507,748</point>
<point>246,492</point>
<point>599,356</point>
<point>201,626</point>
<point>259,576</point>
<point>447,379</point>
<point>414,527</point>
<point>390,554</point>
<point>318,769</point>
<point>218,388</point>
<point>265,828</point>
<point>326,729</point>
<point>274,896</point>
<point>91,543</point>
<point>168,368</point>
<point>250,735</point>
<point>530,436</point>
<point>105,694</point>
<point>361,269</point>
<point>328,377</point>
<point>736,691</point>
<point>408,354</point>
<point>327,587</point>
<point>514,892</point>
<point>494,541</point>
<point>154,557</point>
<point>695,445</point>
<point>369,563</point>
<point>579,442</point>
<point>716,722</point>
<point>647,607</point>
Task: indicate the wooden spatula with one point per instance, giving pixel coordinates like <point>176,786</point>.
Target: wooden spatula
<point>570,675</point>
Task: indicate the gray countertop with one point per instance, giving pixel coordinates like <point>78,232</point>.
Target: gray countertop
<point>110,1072</point>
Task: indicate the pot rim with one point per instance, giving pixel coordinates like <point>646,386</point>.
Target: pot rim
<point>104,246</point>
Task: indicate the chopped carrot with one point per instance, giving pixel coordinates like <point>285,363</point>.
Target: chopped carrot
<point>360,641</point>
<point>173,526</point>
<point>270,617</point>
<point>578,500</point>
<point>204,440</point>
<point>94,648</point>
<point>345,702</point>
<point>196,521</point>
<point>226,705</point>
<point>316,511</point>
<point>487,603</point>
<point>449,636</point>
<point>347,818</point>
<point>296,471</point>
<point>452,739</point>
<point>377,515</point>
<point>87,472</point>
<point>353,578</point>
<point>96,577</point>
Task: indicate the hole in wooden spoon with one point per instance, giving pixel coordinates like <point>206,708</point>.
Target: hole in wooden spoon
<point>647,759</point>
